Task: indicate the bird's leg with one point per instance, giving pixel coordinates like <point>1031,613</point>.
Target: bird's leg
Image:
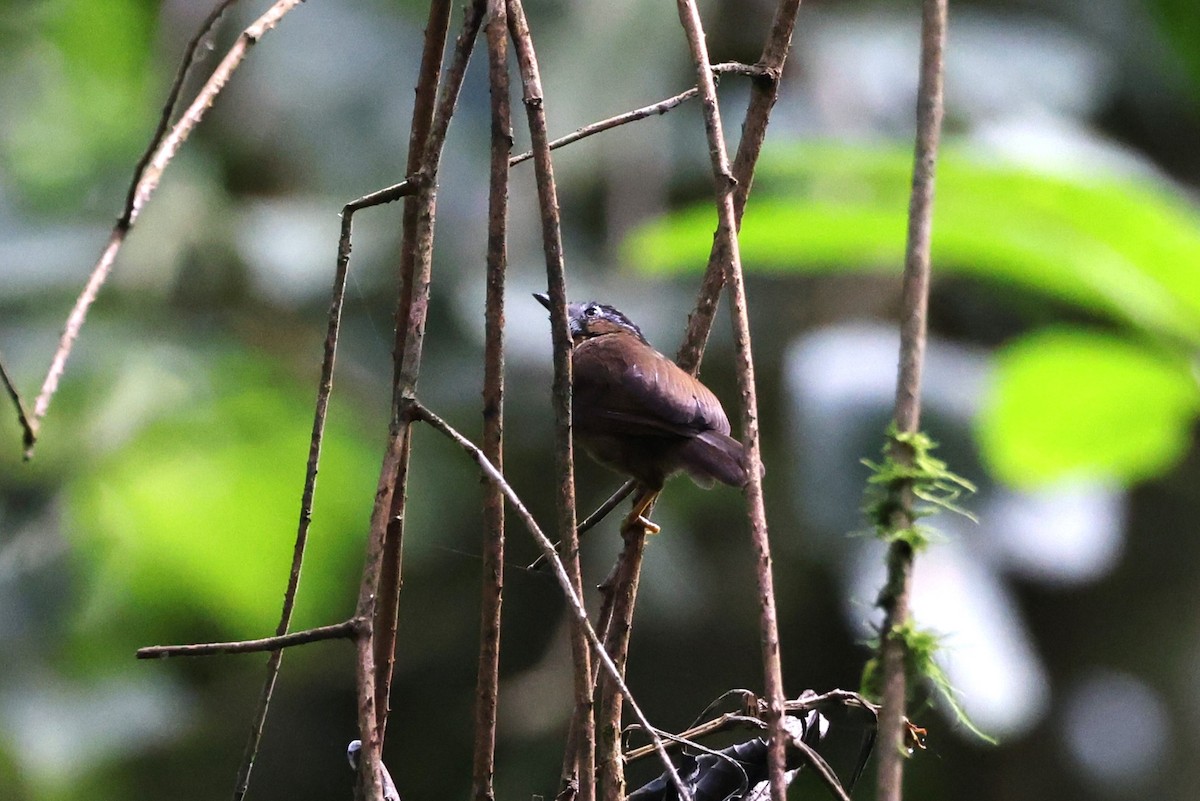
<point>642,504</point>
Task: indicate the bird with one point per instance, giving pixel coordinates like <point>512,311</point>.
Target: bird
<point>637,412</point>
<point>353,751</point>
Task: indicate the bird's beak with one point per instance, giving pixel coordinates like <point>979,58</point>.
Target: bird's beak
<point>573,322</point>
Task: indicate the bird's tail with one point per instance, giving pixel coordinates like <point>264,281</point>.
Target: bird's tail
<point>713,456</point>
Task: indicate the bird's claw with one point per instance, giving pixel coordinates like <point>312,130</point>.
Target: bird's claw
<point>644,522</point>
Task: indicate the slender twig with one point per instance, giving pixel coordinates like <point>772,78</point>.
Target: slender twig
<point>724,185</point>
<point>762,99</point>
<point>573,597</point>
<point>675,741</point>
<point>535,112</point>
<point>146,181</point>
<point>345,630</point>
<point>488,680</point>
<point>661,107</point>
<point>168,110</point>
<point>591,521</point>
<point>30,434</point>
<point>824,771</point>
<point>603,626</point>
<point>605,508</point>
<point>621,596</point>
<point>569,784</point>
<point>389,194</point>
<point>738,68</point>
<point>914,305</point>
<point>324,389</point>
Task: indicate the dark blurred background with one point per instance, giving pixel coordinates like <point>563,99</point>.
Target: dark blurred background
<point>161,504</point>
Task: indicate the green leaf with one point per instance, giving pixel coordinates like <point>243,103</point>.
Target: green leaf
<point>1122,246</point>
<point>198,511</point>
<point>1068,403</point>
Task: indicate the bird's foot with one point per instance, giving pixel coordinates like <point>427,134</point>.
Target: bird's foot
<point>647,525</point>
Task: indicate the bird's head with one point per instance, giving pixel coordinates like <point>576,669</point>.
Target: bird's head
<point>591,319</point>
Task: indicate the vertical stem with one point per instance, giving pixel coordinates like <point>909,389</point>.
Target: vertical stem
<point>487,683</point>
<point>379,591</point>
<point>394,482</point>
<point>621,589</point>
<point>556,288</point>
<point>725,187</point>
<point>915,301</point>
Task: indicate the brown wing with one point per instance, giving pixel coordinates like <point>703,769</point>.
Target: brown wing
<point>625,386</point>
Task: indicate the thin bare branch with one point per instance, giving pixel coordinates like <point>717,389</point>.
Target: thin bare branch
<point>674,741</point>
<point>387,518</point>
<point>345,630</point>
<point>725,185</point>
<point>535,112</point>
<point>389,194</point>
<point>826,773</point>
<point>620,598</point>
<point>168,110</point>
<point>738,68</point>
<point>488,680</point>
<point>594,518</point>
<point>574,598</point>
<point>27,426</point>
<point>324,390</point>
<point>914,306</point>
<point>605,508</point>
<point>147,180</point>
<point>29,423</point>
<point>661,107</point>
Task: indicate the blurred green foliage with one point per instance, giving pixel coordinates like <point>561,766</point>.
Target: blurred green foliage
<point>79,85</point>
<point>1068,401</point>
<point>1119,247</point>
<point>200,505</point>
<point>1179,23</point>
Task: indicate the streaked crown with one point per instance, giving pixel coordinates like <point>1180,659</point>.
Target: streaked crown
<point>591,319</point>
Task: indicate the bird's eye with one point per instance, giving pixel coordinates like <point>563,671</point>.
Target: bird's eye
<point>591,311</point>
